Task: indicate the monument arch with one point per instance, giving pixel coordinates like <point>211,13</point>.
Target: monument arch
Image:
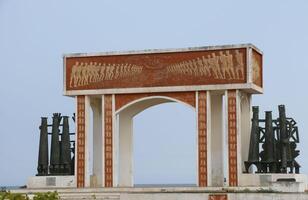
<point>117,85</point>
<point>216,82</point>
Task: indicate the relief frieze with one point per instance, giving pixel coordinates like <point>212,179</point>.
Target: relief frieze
<point>221,66</point>
<point>157,70</point>
<point>86,73</point>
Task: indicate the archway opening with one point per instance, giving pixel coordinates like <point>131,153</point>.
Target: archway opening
<point>157,143</point>
<point>165,149</point>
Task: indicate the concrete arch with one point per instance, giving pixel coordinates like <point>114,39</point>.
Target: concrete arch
<point>150,101</point>
<point>123,175</point>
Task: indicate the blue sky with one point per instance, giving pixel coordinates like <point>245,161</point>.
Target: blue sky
<point>34,34</point>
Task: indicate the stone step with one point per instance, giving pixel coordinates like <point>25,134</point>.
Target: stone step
<point>86,196</point>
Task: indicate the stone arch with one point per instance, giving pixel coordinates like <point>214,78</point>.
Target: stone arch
<point>124,100</point>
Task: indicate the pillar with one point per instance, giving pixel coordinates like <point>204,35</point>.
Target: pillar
<point>80,142</point>
<point>108,121</point>
<point>245,125</point>
<point>126,150</point>
<point>232,130</point>
<point>82,151</point>
<point>216,139</point>
<point>96,105</point>
<point>202,138</point>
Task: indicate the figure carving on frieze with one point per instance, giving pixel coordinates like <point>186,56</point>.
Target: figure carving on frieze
<point>255,69</point>
<point>214,66</point>
<point>239,64</point>
<point>84,74</point>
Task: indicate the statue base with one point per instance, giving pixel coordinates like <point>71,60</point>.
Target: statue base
<point>276,182</point>
<point>273,182</point>
<point>51,182</point>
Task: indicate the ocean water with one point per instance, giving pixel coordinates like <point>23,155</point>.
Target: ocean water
<point>5,188</point>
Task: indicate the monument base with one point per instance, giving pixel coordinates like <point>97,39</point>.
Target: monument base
<point>51,182</point>
<point>276,182</point>
<point>171,193</point>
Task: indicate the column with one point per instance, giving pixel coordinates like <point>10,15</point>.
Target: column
<point>232,137</point>
<point>80,142</point>
<point>126,178</point>
<point>202,138</point>
<point>96,105</point>
<point>82,156</point>
<point>108,140</point>
<point>216,139</point>
<point>245,125</point>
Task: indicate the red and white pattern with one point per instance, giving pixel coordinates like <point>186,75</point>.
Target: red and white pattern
<point>80,141</point>
<point>108,141</point>
<point>202,139</point>
<point>232,139</point>
<point>218,197</point>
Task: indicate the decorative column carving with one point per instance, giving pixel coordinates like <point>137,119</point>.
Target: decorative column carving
<point>80,141</point>
<point>108,138</point>
<point>232,138</point>
<point>202,138</point>
<point>218,197</point>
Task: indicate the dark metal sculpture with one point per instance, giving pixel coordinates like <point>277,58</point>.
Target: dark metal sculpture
<point>65,148</point>
<point>55,145</point>
<point>42,166</point>
<point>62,148</point>
<point>253,156</point>
<point>284,140</point>
<point>278,139</point>
<point>269,144</point>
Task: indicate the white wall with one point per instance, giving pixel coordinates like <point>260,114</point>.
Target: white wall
<point>96,105</point>
<point>216,140</point>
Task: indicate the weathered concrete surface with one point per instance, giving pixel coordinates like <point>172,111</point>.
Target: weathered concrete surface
<point>51,182</point>
<point>271,181</point>
<point>178,193</point>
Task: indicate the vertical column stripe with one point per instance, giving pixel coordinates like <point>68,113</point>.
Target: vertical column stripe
<point>108,137</point>
<point>80,141</point>
<point>202,138</point>
<point>232,138</point>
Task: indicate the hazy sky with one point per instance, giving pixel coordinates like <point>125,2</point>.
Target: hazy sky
<point>34,34</point>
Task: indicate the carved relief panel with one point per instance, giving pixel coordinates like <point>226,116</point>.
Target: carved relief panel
<point>184,68</point>
<point>257,68</point>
